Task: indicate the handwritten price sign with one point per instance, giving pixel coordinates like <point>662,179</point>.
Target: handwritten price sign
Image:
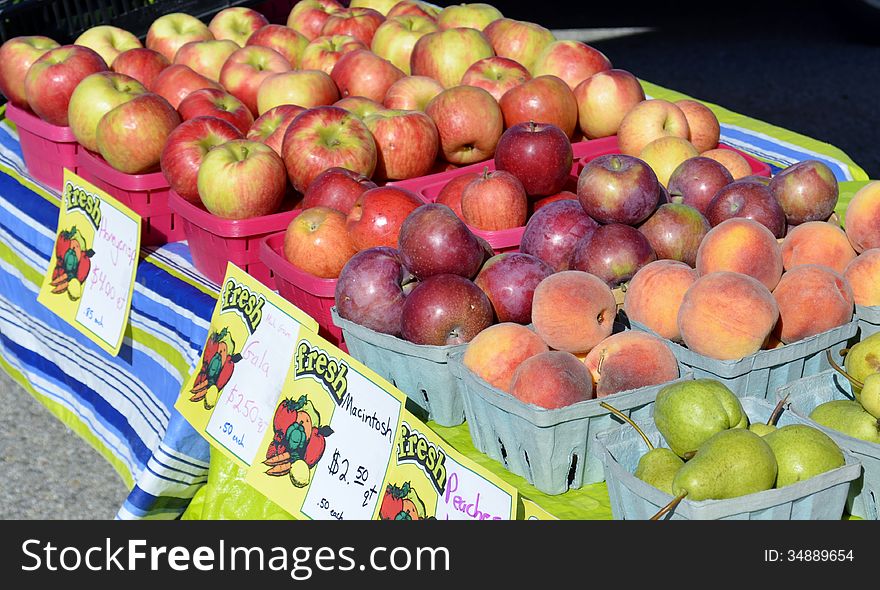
<point>90,279</point>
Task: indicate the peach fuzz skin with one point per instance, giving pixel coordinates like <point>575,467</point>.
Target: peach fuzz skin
<point>496,352</point>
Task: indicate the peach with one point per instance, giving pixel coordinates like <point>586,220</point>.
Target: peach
<point>741,245</point>
<point>735,163</point>
<point>498,350</point>
<point>802,293</point>
<point>629,360</point>
<point>817,242</point>
<point>727,315</point>
<point>573,310</point>
<point>654,295</point>
<point>552,379</point>
<point>863,275</point>
<point>863,218</point>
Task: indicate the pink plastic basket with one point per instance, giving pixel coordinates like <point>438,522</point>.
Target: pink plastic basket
<point>145,194</point>
<point>214,241</point>
<point>313,295</point>
<point>47,149</point>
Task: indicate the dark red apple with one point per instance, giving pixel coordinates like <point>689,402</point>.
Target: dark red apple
<point>675,231</point>
<point>807,191</point>
<point>748,199</point>
<point>450,194</point>
<point>376,216</point>
<point>371,289</point>
<point>538,154</point>
<point>494,201</point>
<point>445,309</point>
<point>613,252</point>
<point>509,280</point>
<point>696,180</point>
<point>337,188</point>
<point>617,188</point>
<point>552,232</point>
<point>433,241</point>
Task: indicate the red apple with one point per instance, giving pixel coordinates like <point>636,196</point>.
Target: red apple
<point>447,54</point>
<point>412,93</point>
<point>474,16</point>
<point>494,201</point>
<point>94,97</point>
<point>539,155</point>
<point>337,188</point>
<point>363,73</point>
<point>323,53</point>
<point>696,181</point>
<point>289,43</point>
<point>360,106</point>
<point>751,200</point>
<point>571,61</point>
<point>444,310</point>
<point>323,137</point>
<point>469,121</point>
<point>618,189</point>
<point>703,124</point>
<point>519,40</point>
<point>376,216</point>
<point>395,38</point>
<point>245,71</point>
<point>450,194</point>
<point>552,232</point>
<point>613,252</point>
<point>16,56</point>
<point>170,32</point>
<point>308,16</point>
<point>649,120</point>
<point>535,204</point>
<point>509,280</point>
<point>132,135</point>
<point>185,149</point>
<point>177,80</point>
<point>270,127</point>
<point>675,231</point>
<point>237,23</point>
<point>142,64</point>
<point>52,78</point>
<point>210,102</point>
<point>496,74</point>
<point>807,191</point>
<point>407,143</point>
<point>316,242</point>
<point>360,23</point>
<point>603,101</point>
<point>206,57</point>
<point>108,41</point>
<point>414,8</point>
<point>545,99</point>
<point>305,88</point>
<point>241,179</point>
<point>433,240</point>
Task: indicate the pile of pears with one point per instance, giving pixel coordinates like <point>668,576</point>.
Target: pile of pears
<point>715,453</point>
<point>858,418</point>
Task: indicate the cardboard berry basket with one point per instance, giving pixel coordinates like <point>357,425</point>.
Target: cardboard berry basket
<point>804,395</point>
<point>145,194</point>
<point>214,241</point>
<point>47,149</point>
<point>420,371</point>
<point>822,497</point>
<point>552,449</point>
<point>312,294</point>
<point>758,375</point>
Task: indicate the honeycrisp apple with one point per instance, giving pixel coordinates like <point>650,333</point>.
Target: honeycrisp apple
<point>241,179</point>
<point>650,120</point>
<point>446,55</point>
<point>360,23</point>
<point>705,130</point>
<point>363,73</point>
<point>412,93</point>
<point>361,106</point>
<point>52,78</point>
<point>324,52</point>
<point>496,74</point>
<point>572,61</point>
<point>476,15</point>
<point>407,143</point>
<point>316,241</point>
<point>521,41</point>
<point>323,137</point>
<point>494,201</point>
<point>108,41</point>
<point>337,188</point>
<point>237,23</point>
<point>210,102</point>
<point>469,121</point>
<point>307,17</point>
<point>170,32</point>
<point>206,57</point>
<point>132,135</point>
<point>16,56</point>
<point>603,101</point>
<point>178,80</point>
<point>545,99</point>
<point>185,149</point>
<point>247,68</point>
<point>305,88</point>
<point>94,97</point>
<point>395,38</point>
<point>271,126</point>
<point>284,40</point>
<point>414,8</point>
<point>142,64</point>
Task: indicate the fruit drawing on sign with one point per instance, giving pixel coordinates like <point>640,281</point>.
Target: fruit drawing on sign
<point>72,263</point>
<point>299,441</point>
<point>402,503</point>
<point>218,365</point>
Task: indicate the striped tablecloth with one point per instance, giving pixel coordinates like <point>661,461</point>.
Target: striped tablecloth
<point>124,406</point>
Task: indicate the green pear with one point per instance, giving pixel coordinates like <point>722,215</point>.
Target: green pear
<point>731,463</point>
<point>848,417</point>
<point>762,429</point>
<point>863,359</point>
<point>802,452</point>
<point>870,397</point>
<point>658,467</point>
<point>689,412</point>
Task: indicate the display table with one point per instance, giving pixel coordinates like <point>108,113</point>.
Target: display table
<point>124,406</point>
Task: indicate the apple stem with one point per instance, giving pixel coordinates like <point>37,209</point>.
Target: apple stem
<point>689,455</point>
<point>669,507</point>
<point>855,382</point>
<point>532,126</point>
<point>629,421</point>
<point>777,411</point>
<point>485,172</point>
